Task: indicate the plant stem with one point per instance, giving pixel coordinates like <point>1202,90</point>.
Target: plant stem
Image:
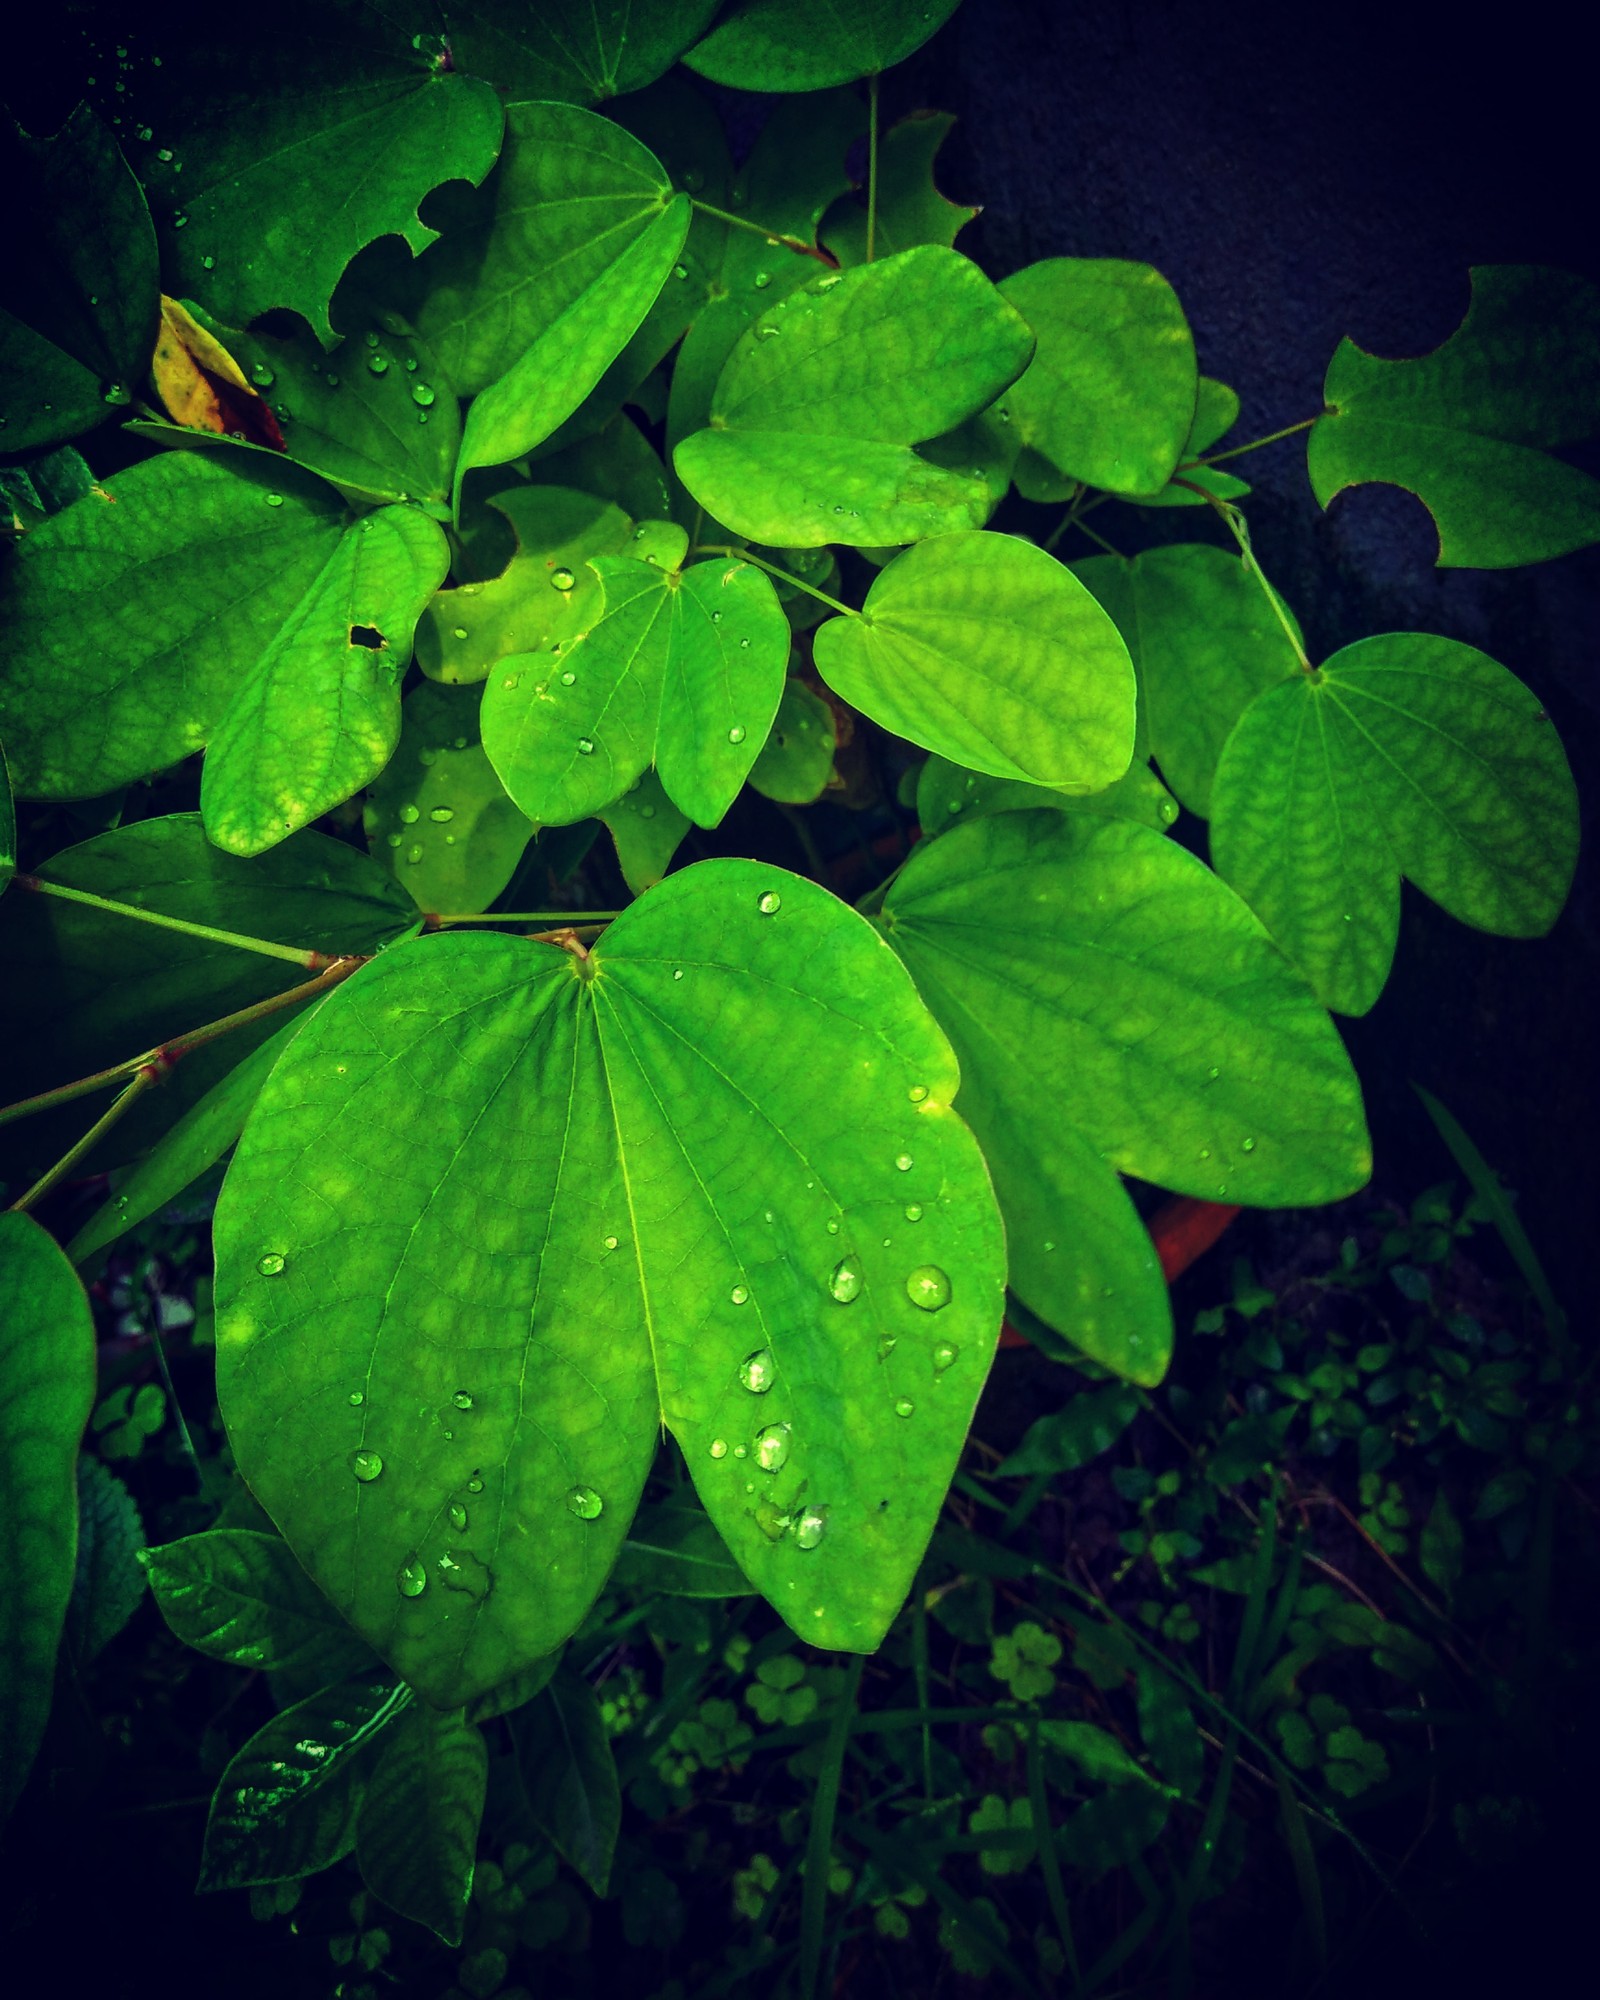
<point>872,162</point>
<point>1235,451</point>
<point>1084,529</point>
<point>124,1101</point>
<point>1049,1860</point>
<point>819,1841</point>
<point>293,954</point>
<point>766,235</point>
<point>1234,521</point>
<point>772,569</point>
<point>587,918</point>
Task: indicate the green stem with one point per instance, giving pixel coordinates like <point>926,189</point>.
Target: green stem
<point>571,919</point>
<point>1234,521</point>
<point>293,954</point>
<point>1237,450</point>
<point>1084,529</point>
<point>124,1101</point>
<point>819,1842</point>
<point>872,162</point>
<point>772,569</point>
<point>766,235</point>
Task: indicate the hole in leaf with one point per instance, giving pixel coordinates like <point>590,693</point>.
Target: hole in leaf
<point>369,636</point>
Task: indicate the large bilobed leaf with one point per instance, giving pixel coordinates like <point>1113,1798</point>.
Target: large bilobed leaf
<point>797,758</point>
<point>1115,1007</point>
<point>947,794</point>
<point>571,352</point>
<point>239,1596</point>
<point>439,816</point>
<point>417,1836</point>
<point>569,1776</point>
<point>520,1204</point>
<point>674,1549</point>
<point>772,45</point>
<point>817,408</point>
<point>1469,428</point>
<point>911,210</point>
<point>1205,642</point>
<point>1110,394</point>
<point>987,650</point>
<point>47,1373</point>
<point>86,988</point>
<point>683,669</point>
<point>288,1802</point>
<point>1407,755</point>
<point>79,294</point>
<point>573,51</point>
<point>107,1584</point>
<point>133,615</point>
<point>318,714</point>
<point>278,156</point>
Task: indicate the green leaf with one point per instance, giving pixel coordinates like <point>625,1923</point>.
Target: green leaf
<point>647,830</point>
<point>1205,642</point>
<point>581,1157</point>
<point>79,297</point>
<point>617,461</point>
<point>1406,754</point>
<point>287,1804</point>
<point>31,493</point>
<point>108,1584</point>
<point>417,1834</point>
<point>1440,1548</point>
<point>1069,1437</point>
<point>988,651</point>
<point>1469,428</point>
<point>769,45</point>
<point>318,714</point>
<point>133,615</point>
<point>820,401</point>
<point>1110,394</point>
<point>946,792</point>
<point>796,760</point>
<point>683,669</point>
<point>369,123</point>
<point>1216,411</point>
<point>1113,1006</point>
<point>47,1372</point>
<point>438,815</point>
<point>674,1549</point>
<point>516,1692</point>
<point>239,1596</point>
<point>911,209</point>
<point>569,1776</point>
<point>573,51</point>
<point>1093,1751</point>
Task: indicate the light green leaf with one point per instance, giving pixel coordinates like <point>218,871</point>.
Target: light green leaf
<point>1069,1437</point>
<point>370,124</point>
<point>569,1776</point>
<point>820,401</point>
<point>574,51</point>
<point>287,1804</point>
<point>1110,395</point>
<point>674,1549</point>
<point>417,1834</point>
<point>1093,1751</point>
<point>1204,641</point>
<point>318,715</point>
<point>79,293</point>
<point>769,45</point>
<point>681,668</point>
<point>1406,754</point>
<point>987,650</point>
<point>238,1596</point>
<point>1469,428</point>
<point>1113,1006</point>
<point>581,1157</point>
<point>438,815</point>
<point>796,760</point>
<point>946,793</point>
<point>108,1584</point>
<point>911,210</point>
<point>47,1372</point>
<point>133,615</point>
<point>647,830</point>
<point>1216,411</point>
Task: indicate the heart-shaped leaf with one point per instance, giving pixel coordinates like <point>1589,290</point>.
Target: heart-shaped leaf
<point>768,45</point>
<point>417,1835</point>
<point>706,1177</point>
<point>1407,755</point>
<point>987,650</point>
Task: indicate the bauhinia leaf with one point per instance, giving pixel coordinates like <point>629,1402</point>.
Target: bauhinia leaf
<point>1115,1007</point>
<point>820,402</point>
<point>569,1776</point>
<point>987,650</point>
<point>768,45</point>
<point>554,1179</point>
<point>417,1834</point>
<point>47,1374</point>
<point>78,292</point>
<point>1110,394</point>
<point>1407,755</point>
<point>796,760</point>
<point>1216,411</point>
<point>573,51</point>
<point>318,715</point>
<point>647,830</point>
<point>1469,428</point>
<point>946,793</point>
<point>911,210</point>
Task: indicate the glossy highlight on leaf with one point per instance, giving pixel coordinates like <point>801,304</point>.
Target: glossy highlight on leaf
<point>770,45</point>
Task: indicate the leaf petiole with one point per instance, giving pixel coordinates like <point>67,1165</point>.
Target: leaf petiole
<point>772,569</point>
<point>1234,521</point>
<point>124,1101</point>
<point>313,961</point>
<point>1255,444</point>
<point>766,235</point>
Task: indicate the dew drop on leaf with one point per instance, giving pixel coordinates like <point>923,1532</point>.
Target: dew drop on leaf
<point>378,363</point>
<point>272,1264</point>
<point>356,1399</point>
<point>1247,1145</point>
<point>914,1211</point>
<point>585,1503</point>
<point>585,747</point>
<point>421,394</point>
<point>562,579</point>
<point>412,1579</point>
<point>904,1162</point>
<point>719,1447</point>
<point>757,1371</point>
<point>904,1407</point>
<point>928,1287</point>
<point>440,814</point>
<point>568,678</point>
<point>943,1355</point>
<point>366,1465</point>
<point>474,1485</point>
<point>772,1448</point>
<point>740,1295</point>
<point>409,815</point>
<point>458,1516</point>
<point>736,733</point>
<point>769,903</point>
<point>917,1093</point>
<point>845,1281</point>
<point>461,631</point>
<point>762,280</point>
<point>274,499</point>
<point>811,1527</point>
<point>462,1400</point>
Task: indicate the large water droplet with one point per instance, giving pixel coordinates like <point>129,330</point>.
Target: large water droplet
<point>366,1465</point>
<point>772,1447</point>
<point>356,1399</point>
<point>440,814</point>
<point>845,1280</point>
<point>758,1372</point>
<point>769,903</point>
<point>917,1093</point>
<point>458,1516</point>
<point>474,1485</point>
<point>562,579</point>
<point>740,1295</point>
<point>421,393</point>
<point>914,1211</point>
<point>270,1265</point>
<point>719,1447</point>
<point>585,1503</point>
<point>943,1355</point>
<point>904,1162</point>
<point>762,280</point>
<point>274,499</point>
<point>462,1400</point>
<point>811,1527</point>
<point>412,1579</point>
<point>735,734</point>
<point>928,1287</point>
<point>1247,1145</point>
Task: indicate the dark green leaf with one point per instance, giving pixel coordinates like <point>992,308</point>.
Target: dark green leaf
<point>417,1834</point>
<point>1441,1546</point>
<point>108,1584</point>
<point>796,760</point>
<point>770,45</point>
<point>673,1548</point>
<point>573,51</point>
<point>911,209</point>
<point>516,1692</point>
<point>1090,1424</point>
<point>1093,1751</point>
<point>569,1776</point>
<point>239,1596</point>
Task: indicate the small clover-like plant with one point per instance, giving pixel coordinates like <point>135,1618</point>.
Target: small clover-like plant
<point>1024,1659</point>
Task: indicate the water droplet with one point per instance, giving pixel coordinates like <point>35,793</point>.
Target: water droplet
<point>208,263</point>
<point>914,1211</point>
<point>769,903</point>
<point>811,1527</point>
<point>164,155</point>
<point>274,499</point>
<point>610,1243</point>
<point>772,1447</point>
<point>904,1407</point>
<point>568,679</point>
<point>845,1281</point>
<point>272,1264</point>
<point>918,1093</point>
<point>440,814</point>
<point>410,815</point>
<point>928,1287</point>
<point>562,579</point>
<point>1247,1145</point>
<point>740,1295</point>
<point>736,733</point>
<point>680,270</point>
<point>719,1447</point>
<point>766,333</point>
<point>411,364</point>
<point>833,1225</point>
<point>585,1503</point>
<point>366,1465</point>
<point>412,1579</point>
<point>647,812</point>
<point>460,631</point>
<point>462,1400</point>
<point>458,1516</point>
<point>393,839</point>
<point>1205,1152</point>
<point>356,1399</point>
<point>474,1485</point>
<point>378,364</point>
<point>1213,1073</point>
<point>421,393</point>
<point>943,1355</point>
<point>762,280</point>
<point>757,1371</point>
<point>677,972</point>
<point>180,220</point>
<point>585,747</point>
